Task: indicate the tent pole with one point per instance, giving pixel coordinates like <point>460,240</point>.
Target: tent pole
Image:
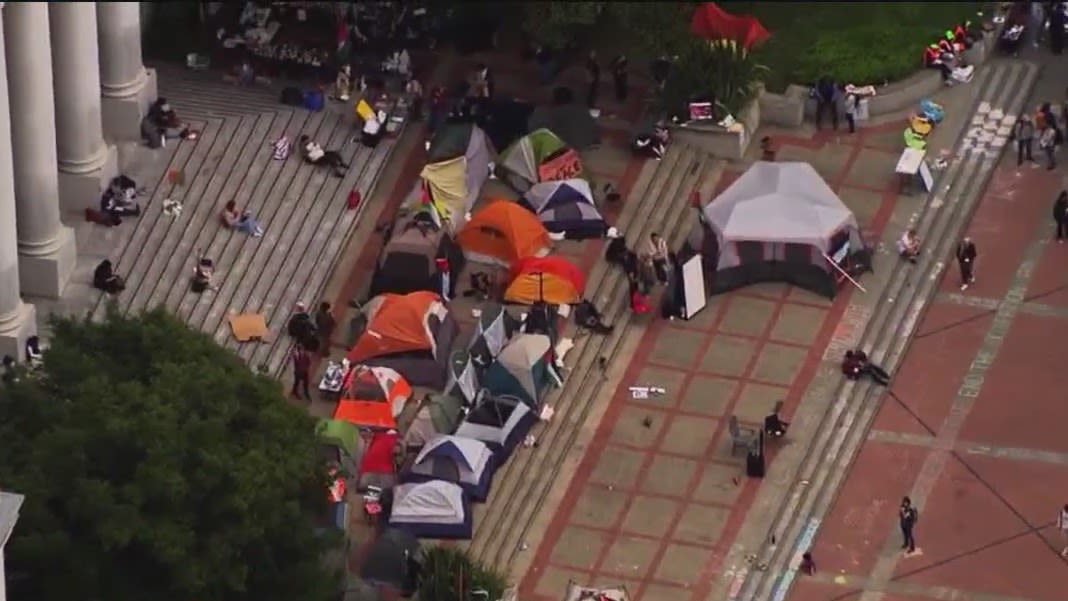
<point>844,273</point>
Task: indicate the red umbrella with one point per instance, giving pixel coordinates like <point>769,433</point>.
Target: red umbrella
<point>713,23</point>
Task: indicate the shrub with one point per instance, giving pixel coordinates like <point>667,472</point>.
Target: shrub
<point>725,73</point>
<point>451,574</point>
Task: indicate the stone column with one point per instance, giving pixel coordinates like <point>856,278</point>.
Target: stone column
<point>127,87</point>
<point>85,162</point>
<point>46,248</point>
<point>17,319</point>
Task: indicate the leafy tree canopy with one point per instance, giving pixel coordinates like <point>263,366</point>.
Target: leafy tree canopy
<point>647,28</point>
<point>157,466</point>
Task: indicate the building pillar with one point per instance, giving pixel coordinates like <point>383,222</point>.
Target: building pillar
<point>86,163</point>
<point>46,248</point>
<point>17,319</point>
<point>126,86</point>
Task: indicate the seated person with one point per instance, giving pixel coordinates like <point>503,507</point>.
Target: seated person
<point>119,199</point>
<point>165,120</point>
<point>856,364</point>
<point>315,155</point>
<point>372,131</point>
<point>242,221</point>
<point>587,316</point>
<point>34,355</point>
<point>908,246</point>
<point>649,146</point>
<point>774,426</point>
<point>616,251</point>
<point>106,280</point>
<point>932,59</point>
<point>203,273</point>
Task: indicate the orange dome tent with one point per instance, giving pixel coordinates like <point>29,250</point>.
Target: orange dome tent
<point>554,280</point>
<point>502,233</point>
<point>410,333</point>
<point>373,397</point>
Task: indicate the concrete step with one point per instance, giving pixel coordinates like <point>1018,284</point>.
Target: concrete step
<point>660,203</point>
<point>1006,86</point>
<point>302,209</point>
<point>204,94</point>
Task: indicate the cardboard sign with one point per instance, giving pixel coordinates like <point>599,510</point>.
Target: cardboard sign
<point>565,166</point>
<point>364,110</point>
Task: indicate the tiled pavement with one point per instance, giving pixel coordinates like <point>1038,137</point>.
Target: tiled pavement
<point>972,429</point>
<point>657,498</point>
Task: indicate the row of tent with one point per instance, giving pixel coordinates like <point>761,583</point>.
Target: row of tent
<point>420,254</point>
<point>407,341</point>
<point>539,166</point>
<point>494,393</point>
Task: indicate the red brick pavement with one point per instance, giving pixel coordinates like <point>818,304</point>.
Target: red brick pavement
<point>648,521</point>
<point>987,524</point>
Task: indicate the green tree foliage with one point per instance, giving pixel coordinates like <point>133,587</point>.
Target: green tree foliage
<point>723,72</point>
<point>451,574</point>
<point>157,466</point>
<point>646,29</point>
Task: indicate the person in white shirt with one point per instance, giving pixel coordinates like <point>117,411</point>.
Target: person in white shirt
<point>316,155</point>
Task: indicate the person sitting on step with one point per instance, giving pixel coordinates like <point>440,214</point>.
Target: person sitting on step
<point>203,274</point>
<point>106,280</point>
<point>242,221</point>
<point>316,155</point>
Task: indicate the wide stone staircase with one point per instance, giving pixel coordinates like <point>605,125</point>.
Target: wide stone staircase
<point>302,209</point>
<point>1004,88</point>
<point>658,202</point>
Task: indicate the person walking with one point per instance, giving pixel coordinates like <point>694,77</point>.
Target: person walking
<point>1023,131</point>
<point>966,255</point>
<point>593,72</point>
<point>619,77</point>
<point>1062,525</point>
<point>907,518</point>
<point>826,95</point>
<point>301,372</point>
<point>1060,215</point>
<point>1047,141</point>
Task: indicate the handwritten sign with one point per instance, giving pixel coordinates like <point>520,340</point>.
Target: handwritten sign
<point>566,165</point>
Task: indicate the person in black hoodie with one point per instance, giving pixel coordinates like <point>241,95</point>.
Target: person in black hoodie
<point>826,94</point>
<point>1060,215</point>
<point>966,255</point>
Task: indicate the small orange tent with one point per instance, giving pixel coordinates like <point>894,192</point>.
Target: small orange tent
<point>554,280</point>
<point>373,397</point>
<point>503,232</point>
<point>397,323</point>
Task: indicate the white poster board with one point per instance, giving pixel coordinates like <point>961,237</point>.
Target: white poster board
<point>693,287</point>
<point>909,162</point>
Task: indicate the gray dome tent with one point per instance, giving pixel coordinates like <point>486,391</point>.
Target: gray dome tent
<point>778,222</point>
<point>494,329</point>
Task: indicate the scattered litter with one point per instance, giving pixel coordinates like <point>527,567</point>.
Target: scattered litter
<point>644,392</point>
<point>172,208</point>
<point>547,413</point>
<point>476,313</point>
<point>839,579</point>
<point>523,546</point>
<point>530,441</point>
<point>804,483</point>
<point>557,236</point>
<point>563,311</point>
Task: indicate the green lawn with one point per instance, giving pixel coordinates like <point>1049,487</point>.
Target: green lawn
<point>854,42</point>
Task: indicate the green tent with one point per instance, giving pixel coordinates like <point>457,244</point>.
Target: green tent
<point>439,415</point>
<point>537,157</point>
<point>338,433</point>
